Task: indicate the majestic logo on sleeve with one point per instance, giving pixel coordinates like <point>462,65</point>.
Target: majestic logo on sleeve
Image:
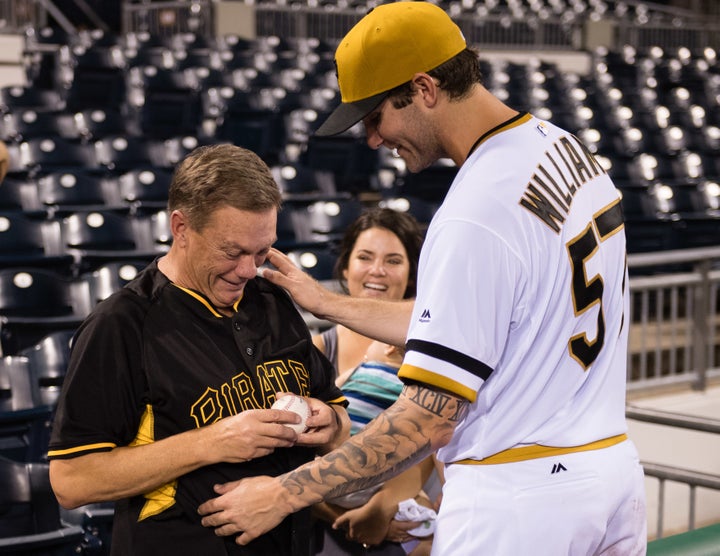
<point>425,316</point>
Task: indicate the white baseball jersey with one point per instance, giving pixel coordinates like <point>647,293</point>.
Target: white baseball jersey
<point>522,298</point>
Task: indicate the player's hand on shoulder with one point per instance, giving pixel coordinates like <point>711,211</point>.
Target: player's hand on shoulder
<point>328,425</point>
<point>304,289</point>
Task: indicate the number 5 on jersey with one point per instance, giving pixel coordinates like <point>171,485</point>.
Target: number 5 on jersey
<point>588,293</point>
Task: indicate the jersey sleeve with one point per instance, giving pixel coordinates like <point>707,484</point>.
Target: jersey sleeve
<point>464,308</point>
<point>104,394</point>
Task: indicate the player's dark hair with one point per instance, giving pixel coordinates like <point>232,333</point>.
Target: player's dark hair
<point>456,77</point>
<point>220,175</point>
<point>403,225</point>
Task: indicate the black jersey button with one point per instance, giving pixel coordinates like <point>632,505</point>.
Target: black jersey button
<point>236,325</point>
<point>249,350</point>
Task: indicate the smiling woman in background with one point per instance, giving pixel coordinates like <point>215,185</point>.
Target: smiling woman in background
<point>378,258</point>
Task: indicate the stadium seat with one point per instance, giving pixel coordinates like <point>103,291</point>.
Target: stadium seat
<point>684,204</point>
<point>48,360</point>
<point>20,195</point>
<point>45,155</point>
<point>119,154</point>
<point>96,238</point>
<point>23,124</point>
<point>96,80</point>
<point>645,228</point>
<point>30,521</point>
<point>75,190</point>
<point>260,131</point>
<point>97,522</point>
<point>287,236</point>
<point>317,261</point>
<point>298,182</point>
<point>421,209</point>
<point>24,422</point>
<point>160,232</point>
<point>329,219</point>
<point>150,55</point>
<point>301,123</point>
<point>15,97</point>
<point>110,277</point>
<point>432,184</point>
<point>30,242</point>
<point>168,102</point>
<point>198,57</point>
<point>97,123</point>
<point>36,302</point>
<point>145,189</point>
<point>348,157</point>
<point>191,41</point>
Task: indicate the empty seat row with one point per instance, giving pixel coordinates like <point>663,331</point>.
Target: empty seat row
<point>82,240</point>
<point>62,192</point>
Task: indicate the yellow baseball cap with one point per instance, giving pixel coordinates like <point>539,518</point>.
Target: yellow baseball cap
<point>385,49</point>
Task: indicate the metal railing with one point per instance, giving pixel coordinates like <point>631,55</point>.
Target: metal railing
<point>696,36</point>
<point>675,318</point>
<point>166,18</point>
<point>16,15</point>
<point>487,31</point>
<point>665,473</point>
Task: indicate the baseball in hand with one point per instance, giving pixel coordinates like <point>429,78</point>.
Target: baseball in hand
<point>296,404</point>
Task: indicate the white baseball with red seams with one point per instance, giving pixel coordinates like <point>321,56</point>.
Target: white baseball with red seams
<point>296,404</point>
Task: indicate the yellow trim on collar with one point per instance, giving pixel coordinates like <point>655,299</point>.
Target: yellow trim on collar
<point>205,302</point>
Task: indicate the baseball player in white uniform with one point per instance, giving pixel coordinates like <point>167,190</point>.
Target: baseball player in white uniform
<point>516,343</point>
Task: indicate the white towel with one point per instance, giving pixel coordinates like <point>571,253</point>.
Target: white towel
<point>410,510</point>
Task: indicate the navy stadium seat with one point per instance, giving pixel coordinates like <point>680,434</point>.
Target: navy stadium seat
<point>36,302</point>
<point>24,421</point>
<point>30,522</point>
<point>31,242</point>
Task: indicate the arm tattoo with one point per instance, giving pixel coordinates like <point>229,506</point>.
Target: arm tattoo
<point>436,402</point>
<point>394,441</point>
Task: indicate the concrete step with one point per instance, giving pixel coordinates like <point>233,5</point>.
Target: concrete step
<point>687,449</point>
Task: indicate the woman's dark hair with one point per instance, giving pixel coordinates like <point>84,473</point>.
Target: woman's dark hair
<point>403,225</point>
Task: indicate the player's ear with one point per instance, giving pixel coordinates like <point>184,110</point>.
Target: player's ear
<point>426,88</point>
<point>178,226</point>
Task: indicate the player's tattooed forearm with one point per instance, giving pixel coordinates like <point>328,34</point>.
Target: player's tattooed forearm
<point>394,441</point>
<point>341,469</point>
<point>461,410</point>
<point>395,444</point>
<point>437,402</point>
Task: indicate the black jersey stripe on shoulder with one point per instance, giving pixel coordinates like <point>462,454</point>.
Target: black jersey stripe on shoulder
<point>444,353</point>
<point>610,219</point>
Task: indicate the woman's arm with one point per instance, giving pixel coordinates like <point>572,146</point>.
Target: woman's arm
<point>370,523</point>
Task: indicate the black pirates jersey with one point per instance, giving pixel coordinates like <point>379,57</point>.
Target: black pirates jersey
<point>154,360</point>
